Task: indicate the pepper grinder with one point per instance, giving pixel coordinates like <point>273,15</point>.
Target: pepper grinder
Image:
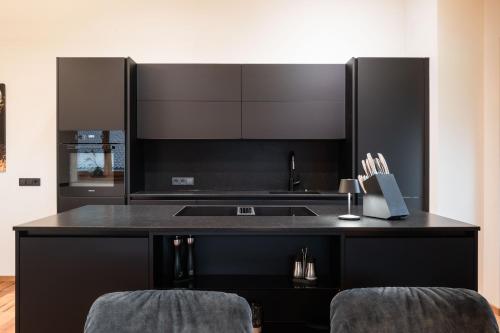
<point>190,257</point>
<point>311,270</point>
<point>178,271</point>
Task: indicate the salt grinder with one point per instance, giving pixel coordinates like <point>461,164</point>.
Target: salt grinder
<point>298,268</point>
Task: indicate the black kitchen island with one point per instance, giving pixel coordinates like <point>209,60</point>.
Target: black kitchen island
<point>64,262</point>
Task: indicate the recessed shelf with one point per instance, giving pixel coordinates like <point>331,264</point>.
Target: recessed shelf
<point>258,268</point>
<point>252,282</point>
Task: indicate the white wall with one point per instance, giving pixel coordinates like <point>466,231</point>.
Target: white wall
<point>460,61</point>
<point>36,32</point>
<point>491,152</point>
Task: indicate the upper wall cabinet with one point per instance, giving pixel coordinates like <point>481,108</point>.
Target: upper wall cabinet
<point>189,101</point>
<point>286,101</point>
<point>91,93</point>
<point>189,82</point>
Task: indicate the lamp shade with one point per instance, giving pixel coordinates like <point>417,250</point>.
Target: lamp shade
<point>349,186</point>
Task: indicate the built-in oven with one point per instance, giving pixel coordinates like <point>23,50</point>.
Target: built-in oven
<point>91,163</point>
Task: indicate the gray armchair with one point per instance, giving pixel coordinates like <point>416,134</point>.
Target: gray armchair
<point>172,311</point>
<point>411,310</point>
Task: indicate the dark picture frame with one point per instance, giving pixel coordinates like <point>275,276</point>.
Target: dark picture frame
<point>3,149</point>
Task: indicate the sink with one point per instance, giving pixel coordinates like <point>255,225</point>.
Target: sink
<point>245,211</point>
<point>294,192</point>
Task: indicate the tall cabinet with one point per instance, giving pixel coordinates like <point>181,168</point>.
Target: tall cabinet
<point>389,103</point>
<point>93,99</point>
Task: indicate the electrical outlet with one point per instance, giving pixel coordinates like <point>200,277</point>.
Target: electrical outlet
<point>29,181</point>
<point>182,181</point>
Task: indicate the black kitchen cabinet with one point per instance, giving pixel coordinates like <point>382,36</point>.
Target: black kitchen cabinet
<point>293,120</point>
<point>189,101</point>
<point>60,277</point>
<point>201,101</point>
<point>189,82</point>
<point>410,261</point>
<point>91,93</point>
<point>189,120</point>
<point>293,82</point>
<point>288,101</point>
<point>390,109</point>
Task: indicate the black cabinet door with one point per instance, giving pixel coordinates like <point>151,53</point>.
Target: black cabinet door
<point>289,101</point>
<point>91,93</point>
<point>410,262</point>
<point>293,120</point>
<point>189,120</point>
<point>60,277</point>
<point>392,106</point>
<point>189,82</point>
<point>189,101</point>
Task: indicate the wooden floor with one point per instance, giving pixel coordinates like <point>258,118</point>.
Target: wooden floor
<point>7,305</point>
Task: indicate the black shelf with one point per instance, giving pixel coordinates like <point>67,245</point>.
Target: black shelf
<point>252,282</point>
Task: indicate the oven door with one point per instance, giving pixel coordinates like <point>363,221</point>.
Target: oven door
<point>95,170</point>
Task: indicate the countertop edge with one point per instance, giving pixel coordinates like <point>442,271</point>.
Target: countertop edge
<point>247,230</point>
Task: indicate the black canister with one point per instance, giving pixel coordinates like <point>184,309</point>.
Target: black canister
<point>190,256</point>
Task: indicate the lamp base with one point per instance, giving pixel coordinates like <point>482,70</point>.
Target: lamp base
<point>349,217</point>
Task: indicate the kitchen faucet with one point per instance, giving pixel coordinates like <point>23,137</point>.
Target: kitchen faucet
<point>293,179</point>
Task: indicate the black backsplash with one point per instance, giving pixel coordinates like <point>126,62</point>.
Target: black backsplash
<point>241,165</point>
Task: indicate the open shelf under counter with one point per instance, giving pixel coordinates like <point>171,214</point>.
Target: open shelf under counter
<point>258,268</point>
<point>250,261</point>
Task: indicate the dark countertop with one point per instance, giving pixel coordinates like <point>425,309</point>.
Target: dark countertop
<point>159,218</point>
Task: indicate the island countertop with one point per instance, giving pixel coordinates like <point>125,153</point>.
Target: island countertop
<point>160,218</point>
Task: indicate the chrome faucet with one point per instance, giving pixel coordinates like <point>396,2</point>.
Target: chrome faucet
<point>293,180</point>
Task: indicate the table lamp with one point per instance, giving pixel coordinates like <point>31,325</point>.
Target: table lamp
<point>349,186</point>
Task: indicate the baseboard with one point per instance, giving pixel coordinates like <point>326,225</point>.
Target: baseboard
<point>7,279</point>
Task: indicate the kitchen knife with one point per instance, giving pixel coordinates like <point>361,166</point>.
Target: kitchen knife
<point>371,163</point>
<point>361,180</point>
<point>363,163</point>
<point>379,165</point>
<point>384,163</point>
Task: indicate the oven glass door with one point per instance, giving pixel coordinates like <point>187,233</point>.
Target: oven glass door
<point>92,169</point>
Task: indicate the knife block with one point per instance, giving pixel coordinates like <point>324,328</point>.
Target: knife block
<point>383,198</point>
